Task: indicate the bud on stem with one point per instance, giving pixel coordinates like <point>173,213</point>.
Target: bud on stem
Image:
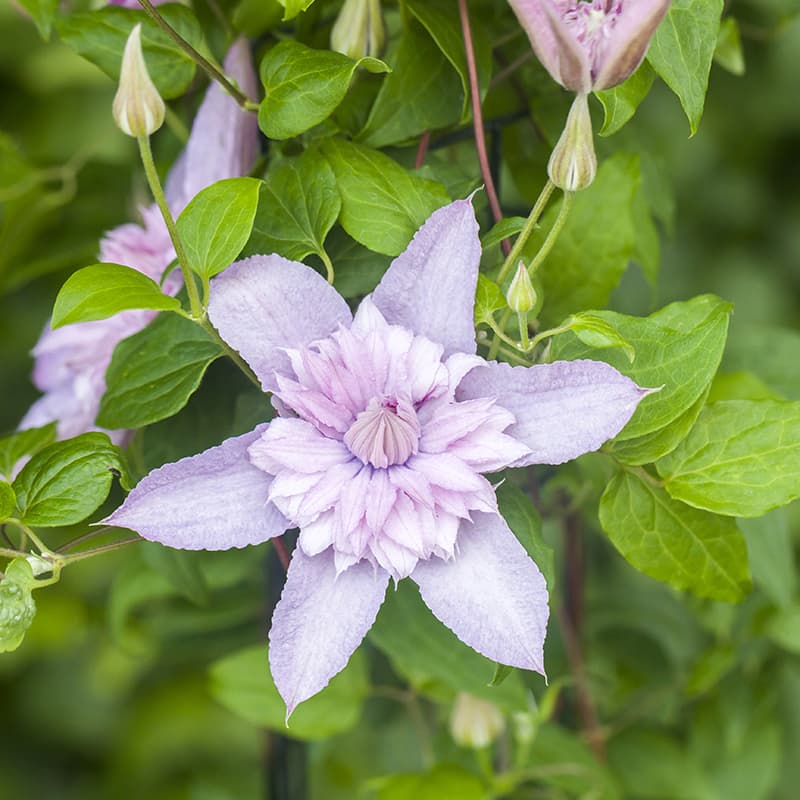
<point>573,163</point>
<point>138,108</point>
<point>358,30</point>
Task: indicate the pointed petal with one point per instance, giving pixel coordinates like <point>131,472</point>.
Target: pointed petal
<point>224,138</point>
<point>491,595</point>
<point>440,262</point>
<point>211,501</point>
<point>562,409</point>
<point>267,302</point>
<point>628,40</point>
<point>558,50</point>
<point>319,621</point>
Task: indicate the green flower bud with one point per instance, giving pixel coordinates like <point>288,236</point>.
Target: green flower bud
<point>17,608</point>
<point>573,163</point>
<point>474,722</point>
<point>358,30</point>
<point>521,295</point>
<point>138,108</point>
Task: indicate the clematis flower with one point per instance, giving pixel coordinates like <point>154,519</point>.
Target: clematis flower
<point>388,423</point>
<point>71,362</point>
<point>590,45</point>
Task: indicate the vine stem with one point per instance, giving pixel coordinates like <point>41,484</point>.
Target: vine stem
<point>282,552</point>
<point>524,234</point>
<point>477,118</point>
<point>212,71</point>
<point>158,193</point>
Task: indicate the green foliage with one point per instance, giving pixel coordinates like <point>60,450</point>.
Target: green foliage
<point>102,290</point>
<point>154,372</point>
<point>8,501</point>
<point>17,607</point>
<point>21,444</point>
<point>620,102</point>
<point>302,87</point>
<point>43,13</point>
<point>100,37</point>
<point>67,481</point>
<point>441,782</point>
<point>216,224</point>
<point>489,299</point>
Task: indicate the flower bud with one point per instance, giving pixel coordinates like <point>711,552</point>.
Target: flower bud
<point>521,294</point>
<point>358,30</point>
<point>474,722</point>
<point>138,108</point>
<point>573,163</point>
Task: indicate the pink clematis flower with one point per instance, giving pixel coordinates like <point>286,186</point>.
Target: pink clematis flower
<point>71,362</point>
<point>389,421</point>
<point>590,45</point>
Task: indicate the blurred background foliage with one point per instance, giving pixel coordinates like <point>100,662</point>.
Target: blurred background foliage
<point>144,674</point>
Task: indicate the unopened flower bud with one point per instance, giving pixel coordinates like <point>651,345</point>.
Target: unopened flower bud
<point>573,164</point>
<point>475,722</point>
<point>521,294</point>
<point>358,30</point>
<point>138,108</point>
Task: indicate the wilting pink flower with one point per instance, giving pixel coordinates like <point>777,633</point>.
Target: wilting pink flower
<point>71,362</point>
<point>388,421</point>
<point>590,45</point>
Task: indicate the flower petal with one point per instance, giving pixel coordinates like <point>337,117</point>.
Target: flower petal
<point>264,303</point>
<point>628,40</point>
<point>319,621</point>
<point>224,138</point>
<point>440,262</point>
<point>555,46</point>
<point>211,501</point>
<point>491,595</point>
<point>562,409</point>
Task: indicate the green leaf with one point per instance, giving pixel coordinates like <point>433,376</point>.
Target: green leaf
<point>66,481</point>
<point>254,17</point>
<point>443,782</point>
<point>216,224</point>
<point>489,299</point>
<point>180,567</point>
<point>294,7</point>
<point>100,37</point>
<point>524,520</point>
<point>728,53</point>
<point>243,684</point>
<point>303,86</point>
<point>17,606</point>
<point>621,102</point>
<point>652,446</point>
<point>21,444</point>
<point>43,13</point>
<point>8,501</point>
<point>598,333</point>
<point>382,205</point>
<point>102,290</point>
<point>770,550</point>
<point>741,458</point>
<point>672,542</point>
<point>741,385</point>
<point>431,657</point>
<point>507,227</point>
<point>422,93</point>
<point>298,205</point>
<point>501,672</point>
<point>771,352</point>
<point>595,245</point>
<point>682,49</point>
<point>153,373</point>
<point>678,348</point>
<point>443,25</point>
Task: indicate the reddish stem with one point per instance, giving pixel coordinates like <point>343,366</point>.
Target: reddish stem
<point>477,118</point>
<point>283,553</point>
<point>422,150</point>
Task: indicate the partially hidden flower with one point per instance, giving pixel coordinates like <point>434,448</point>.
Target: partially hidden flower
<point>388,422</point>
<point>590,45</point>
<point>71,362</point>
<point>475,722</point>
<point>359,29</point>
<point>138,108</point>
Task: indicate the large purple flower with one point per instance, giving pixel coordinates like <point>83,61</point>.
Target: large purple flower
<point>388,421</point>
<point>71,362</point>
<point>589,45</point>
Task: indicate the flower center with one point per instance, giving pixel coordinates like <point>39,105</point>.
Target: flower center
<point>591,20</point>
<point>386,432</point>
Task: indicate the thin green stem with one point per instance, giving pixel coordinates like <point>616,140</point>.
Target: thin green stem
<point>5,552</point>
<point>71,558</point>
<point>522,318</point>
<point>210,69</point>
<point>326,260</point>
<point>158,193</point>
<point>547,334</point>
<point>92,534</point>
<point>524,234</point>
<point>40,545</point>
<point>499,335</point>
<point>552,234</point>
<point>230,352</point>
